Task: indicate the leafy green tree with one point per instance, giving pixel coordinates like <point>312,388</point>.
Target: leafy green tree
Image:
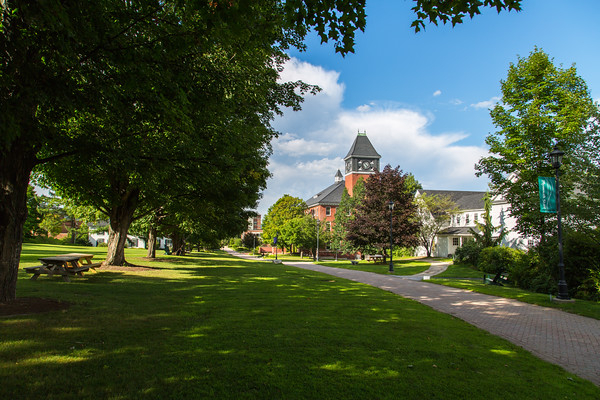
<point>586,197</point>
<point>434,213</point>
<point>541,106</point>
<point>371,226</point>
<point>444,11</point>
<point>412,184</point>
<point>484,235</point>
<point>285,208</point>
<point>34,217</point>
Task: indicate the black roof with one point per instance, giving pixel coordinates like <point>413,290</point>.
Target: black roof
<point>332,196</point>
<point>362,147</point>
<point>458,230</point>
<point>465,200</point>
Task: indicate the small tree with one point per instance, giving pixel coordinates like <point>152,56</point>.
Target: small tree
<point>284,209</point>
<point>485,236</point>
<point>434,213</point>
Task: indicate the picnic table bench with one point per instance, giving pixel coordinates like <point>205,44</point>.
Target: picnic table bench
<point>373,257</point>
<point>64,265</point>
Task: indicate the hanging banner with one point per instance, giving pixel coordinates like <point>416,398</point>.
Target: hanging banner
<point>547,194</point>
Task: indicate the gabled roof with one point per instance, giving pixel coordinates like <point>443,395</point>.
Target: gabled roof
<point>332,196</point>
<point>465,200</point>
<point>362,147</point>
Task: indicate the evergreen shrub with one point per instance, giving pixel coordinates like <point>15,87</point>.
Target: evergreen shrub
<point>494,260</point>
<point>468,253</point>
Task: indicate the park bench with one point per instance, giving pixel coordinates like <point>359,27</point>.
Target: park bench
<point>354,262</point>
<point>374,257</point>
<point>499,279</point>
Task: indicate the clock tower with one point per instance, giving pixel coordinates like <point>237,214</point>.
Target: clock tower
<point>361,161</point>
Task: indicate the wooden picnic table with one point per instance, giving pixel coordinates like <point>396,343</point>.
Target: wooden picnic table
<point>65,265</point>
<point>374,257</point>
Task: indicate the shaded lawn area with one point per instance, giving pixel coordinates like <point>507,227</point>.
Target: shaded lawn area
<point>209,325</point>
<point>401,267</point>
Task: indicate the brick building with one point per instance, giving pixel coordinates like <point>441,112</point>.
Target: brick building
<point>361,161</point>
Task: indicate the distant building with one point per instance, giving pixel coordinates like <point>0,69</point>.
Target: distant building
<point>99,234</point>
<point>471,206</point>
<point>361,161</point>
<point>254,226</point>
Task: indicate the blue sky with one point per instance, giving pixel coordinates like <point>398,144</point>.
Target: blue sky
<point>423,99</point>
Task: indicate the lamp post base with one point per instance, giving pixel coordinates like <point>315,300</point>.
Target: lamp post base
<point>563,292</point>
<point>391,268</point>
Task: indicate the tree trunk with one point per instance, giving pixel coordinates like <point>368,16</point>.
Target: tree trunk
<point>120,219</point>
<point>178,245</point>
<point>16,164</point>
<point>152,242</point>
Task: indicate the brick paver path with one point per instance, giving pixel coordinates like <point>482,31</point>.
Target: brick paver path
<point>565,339</point>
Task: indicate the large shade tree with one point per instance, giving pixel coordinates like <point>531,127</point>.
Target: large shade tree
<point>542,106</point>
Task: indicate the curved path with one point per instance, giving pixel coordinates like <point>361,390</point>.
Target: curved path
<point>568,340</point>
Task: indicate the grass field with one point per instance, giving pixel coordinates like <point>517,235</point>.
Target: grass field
<point>211,326</point>
<point>401,267</point>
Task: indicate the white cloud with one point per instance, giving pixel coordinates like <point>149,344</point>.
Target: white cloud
<point>456,102</point>
<point>486,103</point>
<point>307,156</point>
<point>290,144</point>
<point>437,93</point>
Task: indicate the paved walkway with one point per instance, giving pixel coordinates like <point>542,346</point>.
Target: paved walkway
<point>568,340</point>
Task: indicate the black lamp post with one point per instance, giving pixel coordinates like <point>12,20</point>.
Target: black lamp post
<point>318,239</point>
<point>556,158</point>
<point>391,207</point>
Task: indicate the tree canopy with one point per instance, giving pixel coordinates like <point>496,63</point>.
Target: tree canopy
<point>542,106</point>
<point>285,209</point>
<point>434,213</point>
<point>370,229</point>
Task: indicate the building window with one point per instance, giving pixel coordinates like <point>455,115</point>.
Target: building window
<point>328,226</point>
<point>455,241</point>
<point>467,219</point>
<point>327,210</point>
<point>475,217</point>
<point>458,220</point>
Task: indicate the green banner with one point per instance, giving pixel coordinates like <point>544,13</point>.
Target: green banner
<point>547,194</point>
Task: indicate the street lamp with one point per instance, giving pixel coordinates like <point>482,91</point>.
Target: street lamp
<point>391,207</point>
<point>317,239</point>
<point>556,157</point>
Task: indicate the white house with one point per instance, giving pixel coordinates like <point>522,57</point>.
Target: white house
<point>96,237</point>
<point>471,206</point>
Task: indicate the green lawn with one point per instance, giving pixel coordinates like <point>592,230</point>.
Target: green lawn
<point>469,278</point>
<point>211,326</point>
<point>401,267</point>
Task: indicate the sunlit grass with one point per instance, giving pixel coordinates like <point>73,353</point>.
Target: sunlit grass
<point>210,326</point>
<point>586,308</point>
<point>401,267</point>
